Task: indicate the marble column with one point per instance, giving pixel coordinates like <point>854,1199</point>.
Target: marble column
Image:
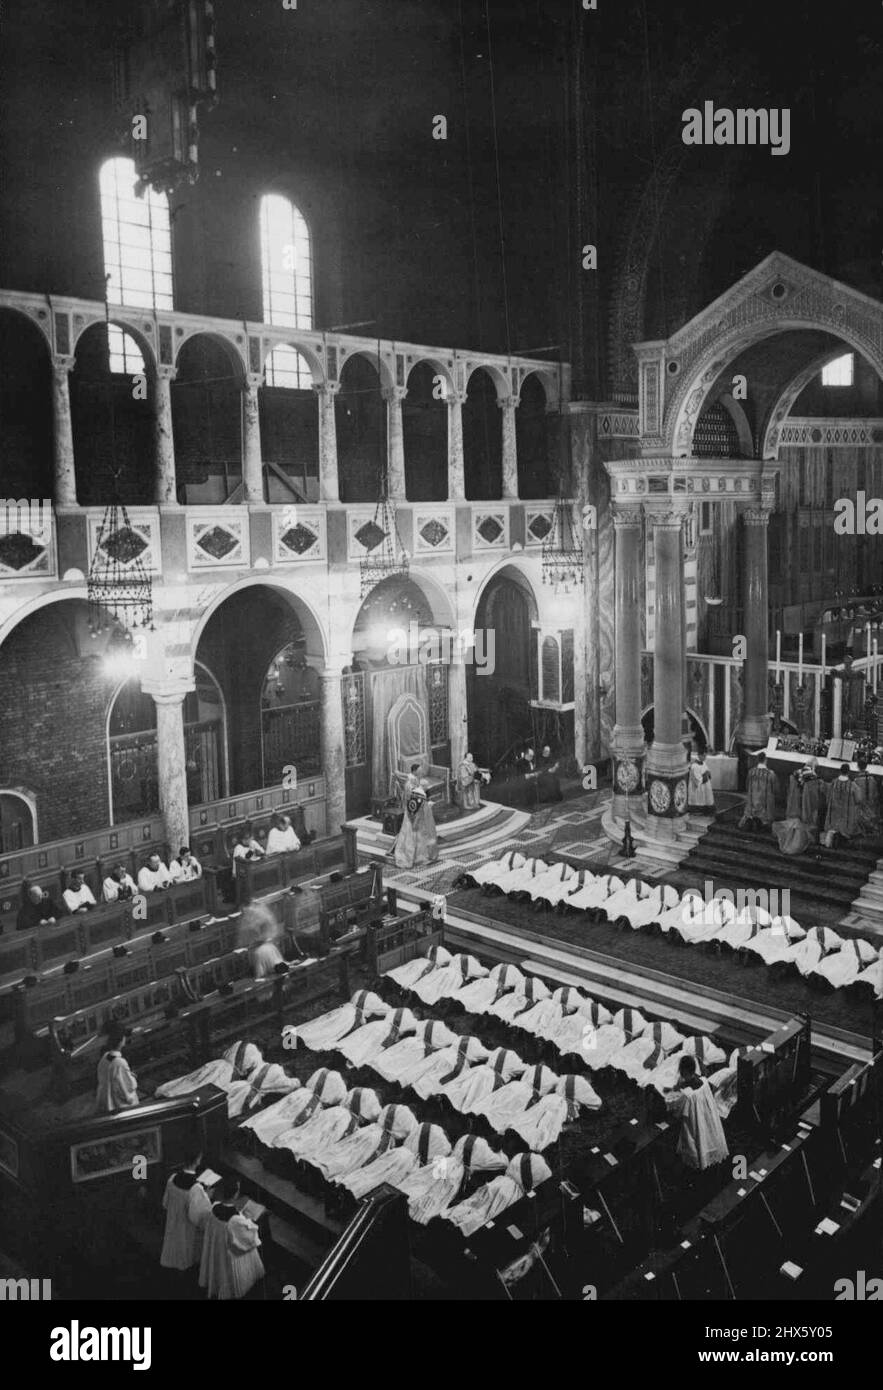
<point>163,437</point>
<point>252,456</point>
<point>628,733</point>
<point>395,442</point>
<point>458,729</point>
<point>172,764</point>
<point>456,467</point>
<point>753,730</point>
<point>65,478</point>
<point>333,750</point>
<point>329,487</point>
<point>510,451</point>
<point>666,766</point>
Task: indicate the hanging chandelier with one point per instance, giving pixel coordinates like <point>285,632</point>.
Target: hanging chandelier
<point>118,590</point>
<point>385,556</point>
<point>562,549</point>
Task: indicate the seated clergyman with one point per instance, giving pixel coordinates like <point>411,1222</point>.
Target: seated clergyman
<point>185,868</point>
<point>38,910</point>
<point>282,836</point>
<point>154,875</point>
<point>78,896</point>
<point>119,886</point>
<point>247,847</point>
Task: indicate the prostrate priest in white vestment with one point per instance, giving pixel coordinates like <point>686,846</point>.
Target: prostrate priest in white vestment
<point>442,983</point>
<point>773,943</point>
<point>329,1085</point>
<point>524,1174</point>
<point>366,1043</point>
<point>652,907</point>
<point>807,954</point>
<point>187,1207</point>
<point>523,997</point>
<point>843,967</point>
<point>691,905</point>
<point>507,1103</point>
<point>473,1085</point>
<point>747,923</point>
<point>546,888</point>
<point>639,1057</point>
<point>522,879</point>
<point>625,899</point>
<point>570,1035</point>
<point>701,1141</point>
<point>117,1087</point>
<point>428,1077</point>
<point>321,1034</point>
<point>700,926</point>
<point>541,1123</point>
<point>230,1265</point>
<point>285,1114</point>
<point>486,874</point>
<point>398,1062</point>
<point>594,893</point>
<point>324,1128</point>
<point>407,975</point>
<point>270,1079</point>
<point>478,996</point>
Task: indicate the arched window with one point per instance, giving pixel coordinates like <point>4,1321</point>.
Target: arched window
<point>840,371</point>
<point>287,281</point>
<point>137,254</point>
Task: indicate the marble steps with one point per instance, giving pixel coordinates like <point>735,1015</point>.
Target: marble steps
<point>490,828</point>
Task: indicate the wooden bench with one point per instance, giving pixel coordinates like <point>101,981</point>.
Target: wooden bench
<point>772,1078</point>
<point>395,940</point>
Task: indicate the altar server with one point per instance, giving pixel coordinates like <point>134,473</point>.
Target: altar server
<point>843,816</point>
<point>760,796</point>
<point>701,1139</point>
<point>700,793</point>
<point>230,1265</point>
<point>117,1087</point>
<point>187,1206</point>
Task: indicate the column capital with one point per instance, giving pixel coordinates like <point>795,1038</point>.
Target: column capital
<point>394,393</point>
<point>326,388</point>
<point>508,402</point>
<point>627,516</point>
<point>252,381</point>
<point>62,362</point>
<point>164,372</point>
<point>756,516</point>
<point>168,692</point>
<point>455,398</point>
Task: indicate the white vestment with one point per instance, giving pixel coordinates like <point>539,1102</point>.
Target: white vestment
<point>321,1033</point>
<point>217,1073</point>
<point>151,880</point>
<point>74,901</point>
<point>296,1108</point>
<point>230,1264</point>
<point>117,1087</point>
<point>280,841</point>
<point>269,1079</point>
<point>701,1141</point>
<point>489,873</point>
<point>408,974</point>
<point>186,1204</point>
<point>110,888</point>
<point>440,984</point>
<point>368,1041</point>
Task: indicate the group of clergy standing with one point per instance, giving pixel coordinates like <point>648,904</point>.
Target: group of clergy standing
<point>817,813</point>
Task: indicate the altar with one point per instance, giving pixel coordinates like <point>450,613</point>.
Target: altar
<point>784,763</point>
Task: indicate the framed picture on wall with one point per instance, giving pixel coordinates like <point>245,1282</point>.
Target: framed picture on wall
<point>97,1158</point>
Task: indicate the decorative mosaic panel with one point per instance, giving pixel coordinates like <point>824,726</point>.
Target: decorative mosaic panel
<point>841,434</point>
<point>298,535</point>
<point>538,525</point>
<point>619,426</point>
<point>140,542</point>
<point>434,531</point>
<point>218,539</point>
<point>490,528</point>
<point>362,532</point>
<point>27,538</point>
<point>650,401</point>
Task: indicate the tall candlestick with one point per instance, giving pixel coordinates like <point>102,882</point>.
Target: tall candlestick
<point>823,656</point>
<point>867,639</point>
<point>800,659</point>
<point>874,667</point>
<point>778,655</point>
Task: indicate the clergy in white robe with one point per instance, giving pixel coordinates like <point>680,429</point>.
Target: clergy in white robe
<point>570,1036</point>
<point>773,943</point>
<point>701,1139</point>
<point>326,1127</point>
<point>270,1079</point>
<point>485,874</point>
<point>505,1104</point>
<point>186,1205</point>
<point>507,1008</point>
<point>230,1265</point>
<point>321,1033</point>
<point>559,895</point>
<point>398,1062</point>
<point>470,1087</point>
<point>362,1046</point>
<point>639,1057</point>
<point>691,905</point>
<point>521,880</point>
<point>245,1057</point>
<point>218,1073</point>
<point>407,975</point>
<point>748,922</point>
<point>328,1085</point>
<point>541,1123</point>
<point>700,792</point>
<point>724,1083</point>
<point>442,983</point>
<point>364,1103</point>
<point>524,1174</point>
<point>477,996</point>
<point>651,908</point>
<point>428,1077</point>
<point>818,943</point>
<point>842,967</point>
<point>592,896</point>
<point>153,876</point>
<point>701,926</point>
<point>338,1160</point>
<point>871,979</point>
<point>430,1190</point>
<point>428,1143</point>
<point>550,886</point>
<point>292,1110</point>
<point>398,1120</point>
<point>391,1167</point>
<point>625,899</point>
<point>117,1087</point>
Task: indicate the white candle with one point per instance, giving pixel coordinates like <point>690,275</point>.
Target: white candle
<point>867,639</point>
<point>823,656</point>
<point>874,667</point>
<point>800,659</point>
<point>778,655</point>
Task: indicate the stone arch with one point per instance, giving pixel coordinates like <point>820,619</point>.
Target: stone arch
<point>770,432</point>
<point>498,376</point>
<point>307,351</point>
<point>312,624</point>
<point>378,361</point>
<point>141,331</point>
<point>440,369</point>
<point>26,433</point>
<point>235,347</point>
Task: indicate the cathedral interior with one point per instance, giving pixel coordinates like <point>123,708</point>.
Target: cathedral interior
<point>440,525</point>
